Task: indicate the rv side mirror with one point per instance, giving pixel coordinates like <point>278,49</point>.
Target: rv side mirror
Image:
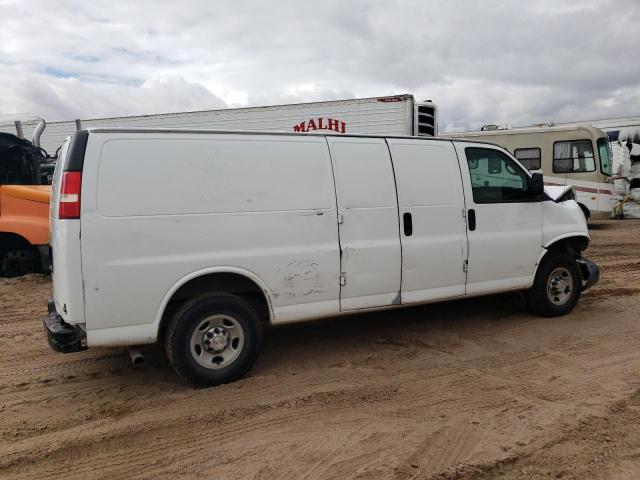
<point>537,185</point>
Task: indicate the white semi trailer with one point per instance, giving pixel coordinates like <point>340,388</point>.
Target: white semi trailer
<point>392,115</point>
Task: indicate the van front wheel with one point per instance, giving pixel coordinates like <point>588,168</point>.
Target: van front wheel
<point>213,339</point>
<point>557,286</point>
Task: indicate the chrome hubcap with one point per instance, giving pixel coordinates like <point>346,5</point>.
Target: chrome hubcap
<point>216,341</point>
<point>560,286</point>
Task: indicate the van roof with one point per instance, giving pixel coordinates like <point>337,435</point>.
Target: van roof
<point>262,132</point>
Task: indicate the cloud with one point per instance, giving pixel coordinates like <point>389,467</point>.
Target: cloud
<point>70,98</point>
<point>481,62</point>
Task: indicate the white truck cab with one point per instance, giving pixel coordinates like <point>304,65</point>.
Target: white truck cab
<point>196,239</point>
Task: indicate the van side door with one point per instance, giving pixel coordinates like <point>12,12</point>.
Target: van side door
<point>432,227</point>
<point>367,222</point>
<point>504,220</point>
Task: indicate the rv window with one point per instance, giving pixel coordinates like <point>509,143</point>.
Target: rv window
<point>605,159</point>
<point>530,158</point>
<point>573,156</point>
<point>496,178</point>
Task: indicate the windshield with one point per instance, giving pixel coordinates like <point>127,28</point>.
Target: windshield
<point>605,159</point>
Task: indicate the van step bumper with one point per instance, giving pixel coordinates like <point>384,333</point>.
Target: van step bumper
<point>590,272</point>
<point>61,336</point>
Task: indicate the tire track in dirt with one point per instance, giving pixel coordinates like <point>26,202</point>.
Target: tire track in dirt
<point>151,420</point>
<point>598,445</point>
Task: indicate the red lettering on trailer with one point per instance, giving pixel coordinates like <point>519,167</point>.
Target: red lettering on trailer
<point>333,125</point>
<point>319,123</point>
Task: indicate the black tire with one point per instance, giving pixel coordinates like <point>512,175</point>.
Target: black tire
<point>544,297</point>
<point>180,334</point>
<point>18,262</point>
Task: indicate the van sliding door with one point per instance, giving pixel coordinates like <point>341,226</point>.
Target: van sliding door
<point>433,231</point>
<point>367,222</point>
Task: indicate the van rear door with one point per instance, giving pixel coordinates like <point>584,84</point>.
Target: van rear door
<point>64,237</point>
<point>368,222</point>
<point>432,228</point>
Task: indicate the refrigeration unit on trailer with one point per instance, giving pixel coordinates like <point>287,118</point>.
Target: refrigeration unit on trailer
<point>196,239</point>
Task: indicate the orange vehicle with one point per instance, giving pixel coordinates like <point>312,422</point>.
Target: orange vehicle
<point>24,206</point>
<point>24,229</point>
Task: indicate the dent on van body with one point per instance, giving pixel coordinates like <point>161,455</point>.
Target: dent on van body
<point>301,278</point>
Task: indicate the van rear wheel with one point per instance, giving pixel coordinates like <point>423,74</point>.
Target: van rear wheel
<point>557,285</point>
<point>213,339</point>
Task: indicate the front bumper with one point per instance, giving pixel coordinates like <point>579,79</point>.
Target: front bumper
<point>63,337</point>
<point>590,272</point>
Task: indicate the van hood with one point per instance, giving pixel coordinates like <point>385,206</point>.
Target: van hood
<point>558,193</point>
<point>34,193</point>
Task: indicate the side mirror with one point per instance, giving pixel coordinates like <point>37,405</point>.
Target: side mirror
<point>536,185</point>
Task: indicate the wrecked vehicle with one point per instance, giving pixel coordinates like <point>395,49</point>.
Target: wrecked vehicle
<point>197,239</point>
<point>25,171</point>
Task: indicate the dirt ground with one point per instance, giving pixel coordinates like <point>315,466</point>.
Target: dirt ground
<point>474,389</point>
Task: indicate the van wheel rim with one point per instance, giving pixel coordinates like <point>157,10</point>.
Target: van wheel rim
<point>217,341</point>
<point>560,286</point>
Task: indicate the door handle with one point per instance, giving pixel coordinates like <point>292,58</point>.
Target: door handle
<point>471,217</point>
<point>407,222</point>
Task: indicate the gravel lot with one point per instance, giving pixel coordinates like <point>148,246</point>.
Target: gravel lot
<point>474,389</point>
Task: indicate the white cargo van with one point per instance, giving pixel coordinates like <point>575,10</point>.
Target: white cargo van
<point>196,239</point>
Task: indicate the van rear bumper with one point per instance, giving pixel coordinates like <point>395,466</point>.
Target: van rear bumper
<point>63,337</point>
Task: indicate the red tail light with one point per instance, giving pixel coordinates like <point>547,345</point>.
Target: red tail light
<point>69,204</point>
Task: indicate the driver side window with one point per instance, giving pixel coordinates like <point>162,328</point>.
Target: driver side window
<point>496,178</point>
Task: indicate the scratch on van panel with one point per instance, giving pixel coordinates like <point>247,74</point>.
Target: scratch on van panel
<point>302,278</point>
<point>314,213</point>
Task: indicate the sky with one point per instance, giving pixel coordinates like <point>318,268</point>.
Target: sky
<point>503,62</point>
